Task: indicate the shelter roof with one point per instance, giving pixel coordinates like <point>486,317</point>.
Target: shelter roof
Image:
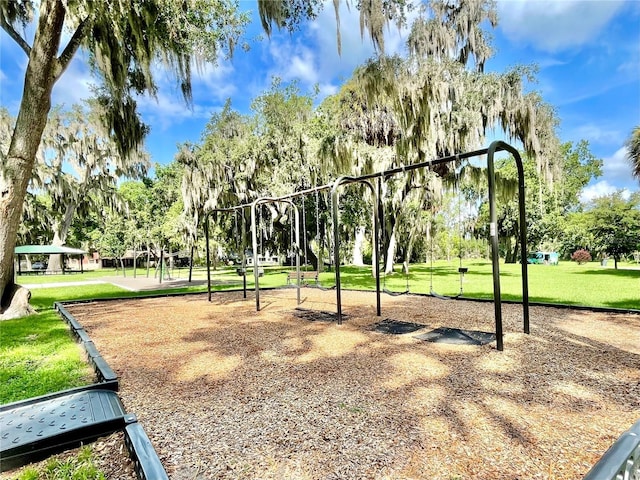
<point>47,250</point>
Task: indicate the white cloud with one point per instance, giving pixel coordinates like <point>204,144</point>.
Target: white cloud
<point>211,85</point>
<point>74,85</point>
<point>292,61</point>
<point>327,89</point>
<point>617,166</point>
<point>166,110</point>
<point>312,57</point>
<point>356,49</point>
<point>214,81</point>
<point>616,172</point>
<point>598,134</point>
<point>554,25</point>
<point>600,189</point>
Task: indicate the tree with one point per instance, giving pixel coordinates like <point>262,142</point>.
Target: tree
<point>615,223</point>
<point>79,169</point>
<point>577,233</point>
<point>435,102</point>
<point>123,40</point>
<point>548,204</point>
<point>166,208</point>
<point>633,147</point>
<point>111,239</point>
<point>286,147</point>
<point>220,171</point>
<point>137,196</point>
<point>282,117</point>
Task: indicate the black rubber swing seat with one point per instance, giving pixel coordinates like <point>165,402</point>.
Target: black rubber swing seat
<point>316,315</point>
<point>457,336</point>
<point>396,327</point>
<point>395,294</point>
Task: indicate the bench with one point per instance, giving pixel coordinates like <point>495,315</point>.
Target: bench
<point>304,275</point>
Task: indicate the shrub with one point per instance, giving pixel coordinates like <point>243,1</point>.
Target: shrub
<point>581,256</point>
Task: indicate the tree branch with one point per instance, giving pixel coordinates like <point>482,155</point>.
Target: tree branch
<point>72,47</point>
<point>7,27</point>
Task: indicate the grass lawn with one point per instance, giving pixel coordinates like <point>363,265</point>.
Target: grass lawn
<point>38,356</point>
<point>99,274</point>
<point>568,283</point>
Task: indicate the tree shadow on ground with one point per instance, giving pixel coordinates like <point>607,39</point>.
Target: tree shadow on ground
<point>611,272</point>
<point>326,394</point>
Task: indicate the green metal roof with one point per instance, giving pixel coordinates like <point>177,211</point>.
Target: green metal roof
<point>47,250</point>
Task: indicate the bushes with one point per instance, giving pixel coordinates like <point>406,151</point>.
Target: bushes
<point>581,256</point>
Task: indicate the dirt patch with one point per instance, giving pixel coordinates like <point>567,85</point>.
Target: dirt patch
<point>226,392</point>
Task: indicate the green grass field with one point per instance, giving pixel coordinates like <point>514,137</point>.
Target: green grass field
<point>38,356</point>
<point>568,283</point>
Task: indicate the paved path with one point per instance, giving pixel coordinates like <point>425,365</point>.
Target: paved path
<point>137,284</point>
<point>31,286</point>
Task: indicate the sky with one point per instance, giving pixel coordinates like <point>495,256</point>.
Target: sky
<point>587,53</point>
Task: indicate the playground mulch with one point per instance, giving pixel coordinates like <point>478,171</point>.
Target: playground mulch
<point>226,392</point>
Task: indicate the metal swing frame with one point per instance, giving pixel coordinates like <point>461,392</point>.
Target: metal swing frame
<point>493,229</point>
<point>494,147</point>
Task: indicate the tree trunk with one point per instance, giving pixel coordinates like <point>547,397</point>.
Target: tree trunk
<point>55,259</point>
<point>511,255</point>
<point>321,244</point>
<point>148,258</point>
<point>357,247</point>
<point>60,231</point>
<point>41,74</point>
<point>18,303</point>
<point>391,251</point>
<point>408,253</point>
<point>311,256</point>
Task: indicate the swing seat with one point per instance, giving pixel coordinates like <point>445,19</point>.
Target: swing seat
<point>395,294</point>
<point>463,270</point>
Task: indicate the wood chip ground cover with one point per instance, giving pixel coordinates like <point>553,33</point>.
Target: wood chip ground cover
<point>226,392</point>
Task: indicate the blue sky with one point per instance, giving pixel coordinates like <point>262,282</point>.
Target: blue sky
<point>588,53</point>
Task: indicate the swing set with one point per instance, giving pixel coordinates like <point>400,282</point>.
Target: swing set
<point>367,180</point>
<point>461,269</point>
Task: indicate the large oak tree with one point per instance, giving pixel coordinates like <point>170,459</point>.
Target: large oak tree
<point>124,41</point>
<point>434,102</point>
